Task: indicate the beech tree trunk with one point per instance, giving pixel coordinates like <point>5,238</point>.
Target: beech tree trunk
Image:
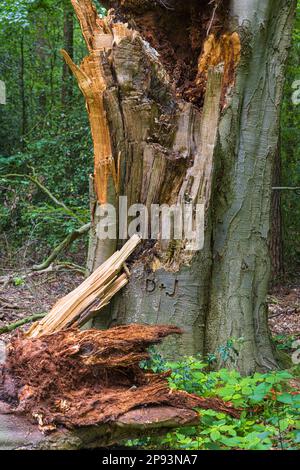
<point>184,105</point>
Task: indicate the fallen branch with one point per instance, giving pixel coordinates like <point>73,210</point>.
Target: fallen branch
<point>43,188</point>
<point>18,432</point>
<point>76,308</point>
<point>23,321</point>
<point>9,305</point>
<point>62,246</point>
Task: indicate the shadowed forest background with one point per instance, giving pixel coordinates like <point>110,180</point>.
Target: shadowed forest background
<point>46,157</point>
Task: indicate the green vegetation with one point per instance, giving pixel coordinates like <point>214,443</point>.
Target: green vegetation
<point>269,405</point>
<point>40,134</point>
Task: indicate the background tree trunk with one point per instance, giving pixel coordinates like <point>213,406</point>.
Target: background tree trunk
<point>213,141</point>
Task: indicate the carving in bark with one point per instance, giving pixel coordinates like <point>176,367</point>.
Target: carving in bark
<point>184,99</point>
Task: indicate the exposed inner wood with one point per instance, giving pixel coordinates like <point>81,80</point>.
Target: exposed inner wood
<point>92,84</point>
<point>155,82</point>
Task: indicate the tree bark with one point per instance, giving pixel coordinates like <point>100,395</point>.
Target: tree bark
<point>41,52</point>
<point>248,141</point>
<point>195,117</point>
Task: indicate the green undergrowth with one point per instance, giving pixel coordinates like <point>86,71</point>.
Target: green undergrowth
<point>269,404</point>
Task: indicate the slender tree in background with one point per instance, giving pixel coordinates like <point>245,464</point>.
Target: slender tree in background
<point>42,60</point>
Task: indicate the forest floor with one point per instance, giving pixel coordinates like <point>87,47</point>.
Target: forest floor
<point>37,292</point>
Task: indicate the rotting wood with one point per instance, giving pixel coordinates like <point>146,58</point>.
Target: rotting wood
<point>23,321</point>
<point>38,378</point>
<point>76,308</point>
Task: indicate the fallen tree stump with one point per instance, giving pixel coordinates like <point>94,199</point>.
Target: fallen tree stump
<point>17,432</point>
<point>86,388</point>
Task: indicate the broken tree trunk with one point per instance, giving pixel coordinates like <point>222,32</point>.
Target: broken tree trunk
<point>17,432</point>
<point>184,107</point>
<point>80,305</point>
<point>108,399</point>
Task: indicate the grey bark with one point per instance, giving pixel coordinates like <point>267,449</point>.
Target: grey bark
<point>219,292</point>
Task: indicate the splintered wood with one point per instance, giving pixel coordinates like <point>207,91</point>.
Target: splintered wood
<point>76,308</point>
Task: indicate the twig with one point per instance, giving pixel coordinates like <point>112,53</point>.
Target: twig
<point>46,191</point>
<point>72,266</point>
<point>17,324</point>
